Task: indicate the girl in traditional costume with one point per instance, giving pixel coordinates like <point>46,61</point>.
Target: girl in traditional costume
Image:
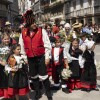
<point>74,80</point>
<point>18,79</point>
<point>4,51</point>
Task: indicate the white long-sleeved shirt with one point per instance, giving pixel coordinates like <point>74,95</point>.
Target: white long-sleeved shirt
<point>56,54</point>
<point>19,62</point>
<point>83,44</point>
<point>66,46</point>
<point>46,41</point>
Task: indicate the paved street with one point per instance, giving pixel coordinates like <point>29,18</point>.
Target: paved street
<point>24,21</point>
<point>77,94</point>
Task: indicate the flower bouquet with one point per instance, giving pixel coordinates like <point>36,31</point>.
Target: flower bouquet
<point>66,73</point>
<point>4,53</point>
<point>98,65</point>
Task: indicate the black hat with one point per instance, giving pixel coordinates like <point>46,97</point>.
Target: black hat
<point>29,17</point>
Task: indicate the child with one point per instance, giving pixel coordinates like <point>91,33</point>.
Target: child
<point>74,80</point>
<point>18,79</point>
<point>58,62</point>
<point>88,79</point>
<point>4,51</point>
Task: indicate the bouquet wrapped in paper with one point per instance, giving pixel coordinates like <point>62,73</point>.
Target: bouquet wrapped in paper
<point>66,73</point>
<point>98,65</point>
<point>4,53</point>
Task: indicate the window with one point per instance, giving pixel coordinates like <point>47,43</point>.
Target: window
<point>81,3</point>
<point>74,4</point>
<point>90,2</point>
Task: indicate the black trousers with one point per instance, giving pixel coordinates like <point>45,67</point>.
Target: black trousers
<point>37,66</point>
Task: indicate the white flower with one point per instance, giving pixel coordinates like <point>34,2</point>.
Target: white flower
<point>98,65</point>
<point>4,50</point>
<point>66,73</point>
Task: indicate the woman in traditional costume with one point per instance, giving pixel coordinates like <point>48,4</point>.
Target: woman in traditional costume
<point>88,78</point>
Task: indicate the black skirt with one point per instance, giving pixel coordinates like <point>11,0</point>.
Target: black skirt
<point>75,68</point>
<point>18,79</point>
<point>89,74</point>
<point>3,78</point>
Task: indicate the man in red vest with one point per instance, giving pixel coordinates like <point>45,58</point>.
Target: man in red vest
<point>35,44</point>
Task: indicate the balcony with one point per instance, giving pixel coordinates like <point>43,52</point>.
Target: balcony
<point>57,2</point>
<point>82,12</point>
<point>6,1</point>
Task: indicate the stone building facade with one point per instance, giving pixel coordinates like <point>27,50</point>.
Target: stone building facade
<point>8,10</point>
<point>53,9</point>
<point>84,11</point>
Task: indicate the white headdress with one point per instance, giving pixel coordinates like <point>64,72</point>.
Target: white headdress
<point>89,44</point>
<point>7,23</point>
<point>67,25</point>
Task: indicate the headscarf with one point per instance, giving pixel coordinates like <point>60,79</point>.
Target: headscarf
<point>89,44</point>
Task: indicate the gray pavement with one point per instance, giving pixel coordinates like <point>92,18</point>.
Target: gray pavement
<point>76,94</point>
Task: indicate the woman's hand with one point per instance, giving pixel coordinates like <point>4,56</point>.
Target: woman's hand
<point>14,69</point>
<point>2,63</point>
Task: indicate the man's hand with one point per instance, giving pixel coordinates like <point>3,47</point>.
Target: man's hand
<point>47,61</point>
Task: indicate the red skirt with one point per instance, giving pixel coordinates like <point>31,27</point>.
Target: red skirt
<point>3,93</point>
<point>87,85</point>
<point>74,83</point>
<point>11,92</point>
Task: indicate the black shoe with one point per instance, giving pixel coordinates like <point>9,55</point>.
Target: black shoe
<point>83,89</point>
<point>76,89</point>
<point>88,90</point>
<point>65,90</point>
<point>55,88</point>
<point>38,95</point>
<point>96,89</point>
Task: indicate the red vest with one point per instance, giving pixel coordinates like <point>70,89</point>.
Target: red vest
<point>33,44</point>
